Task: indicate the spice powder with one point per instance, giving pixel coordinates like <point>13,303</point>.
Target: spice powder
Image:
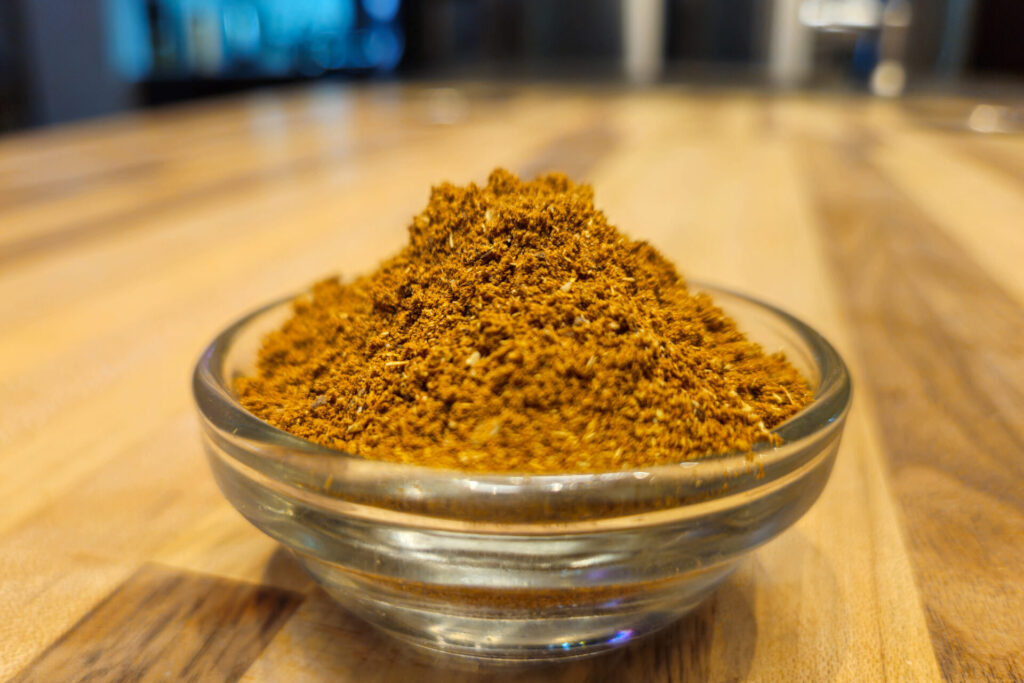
<point>520,332</point>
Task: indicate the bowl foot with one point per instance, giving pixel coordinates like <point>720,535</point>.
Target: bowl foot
<point>499,634</point>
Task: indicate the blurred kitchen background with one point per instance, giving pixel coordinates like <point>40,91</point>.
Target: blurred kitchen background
<point>62,60</point>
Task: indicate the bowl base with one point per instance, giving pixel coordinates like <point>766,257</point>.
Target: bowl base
<point>492,652</point>
<point>503,637</point>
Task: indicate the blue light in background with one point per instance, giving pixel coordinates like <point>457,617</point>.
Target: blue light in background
<point>241,28</point>
<point>290,22</point>
<point>128,48</point>
<point>382,10</point>
<point>251,38</point>
<point>383,46</point>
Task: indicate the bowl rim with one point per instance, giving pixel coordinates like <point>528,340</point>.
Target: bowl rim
<point>280,457</point>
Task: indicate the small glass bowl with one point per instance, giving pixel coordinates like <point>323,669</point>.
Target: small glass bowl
<point>512,568</point>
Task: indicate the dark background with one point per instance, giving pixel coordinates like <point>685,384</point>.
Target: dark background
<point>62,60</point>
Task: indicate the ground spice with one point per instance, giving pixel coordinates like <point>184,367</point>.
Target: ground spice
<point>512,599</point>
<point>520,332</point>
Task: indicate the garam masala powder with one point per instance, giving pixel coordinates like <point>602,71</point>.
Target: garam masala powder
<point>520,332</point>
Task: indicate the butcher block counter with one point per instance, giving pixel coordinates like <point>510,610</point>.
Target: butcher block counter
<point>126,243</point>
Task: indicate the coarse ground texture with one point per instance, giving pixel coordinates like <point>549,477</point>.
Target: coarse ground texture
<point>520,332</point>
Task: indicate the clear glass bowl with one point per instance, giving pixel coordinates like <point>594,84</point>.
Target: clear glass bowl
<point>510,567</point>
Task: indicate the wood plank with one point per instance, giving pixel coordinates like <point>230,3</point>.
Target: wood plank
<point>165,624</point>
<point>836,210</point>
<point>948,412</point>
<point>175,174</point>
<point>43,593</point>
<point>980,208</point>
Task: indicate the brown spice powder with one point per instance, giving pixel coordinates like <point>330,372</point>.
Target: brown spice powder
<point>514,599</point>
<point>520,332</point>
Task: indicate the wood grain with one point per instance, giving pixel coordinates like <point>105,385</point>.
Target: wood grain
<point>127,243</point>
<point>163,624</point>
<point>949,416</point>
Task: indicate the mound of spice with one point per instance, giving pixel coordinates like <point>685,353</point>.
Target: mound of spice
<point>520,332</point>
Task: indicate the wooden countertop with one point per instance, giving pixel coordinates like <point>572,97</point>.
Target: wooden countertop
<point>126,243</point>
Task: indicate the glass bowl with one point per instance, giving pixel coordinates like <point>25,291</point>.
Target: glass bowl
<point>512,568</point>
